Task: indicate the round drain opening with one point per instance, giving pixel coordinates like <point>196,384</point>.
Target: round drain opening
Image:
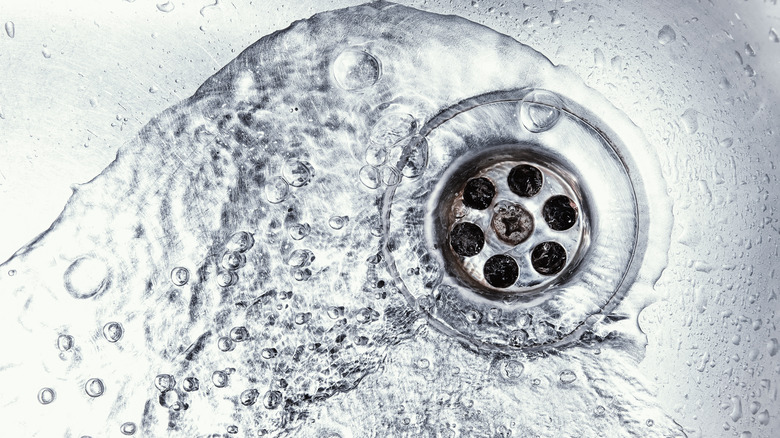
<point>520,218</point>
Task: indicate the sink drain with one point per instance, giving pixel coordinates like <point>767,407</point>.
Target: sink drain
<point>516,225</point>
<point>524,223</point>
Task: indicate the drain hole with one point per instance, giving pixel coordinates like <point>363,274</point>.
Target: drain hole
<point>479,193</point>
<point>501,271</point>
<point>512,223</point>
<point>560,213</point>
<point>548,258</point>
<point>467,239</point>
<point>525,180</point>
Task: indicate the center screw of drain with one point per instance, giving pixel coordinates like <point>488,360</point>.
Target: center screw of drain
<point>515,225</point>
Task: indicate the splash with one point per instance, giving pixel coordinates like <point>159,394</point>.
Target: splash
<point>228,273</point>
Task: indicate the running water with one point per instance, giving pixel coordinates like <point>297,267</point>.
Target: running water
<point>229,272</point>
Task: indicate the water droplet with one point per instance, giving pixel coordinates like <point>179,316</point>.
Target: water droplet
<point>128,428</point>
<point>164,382</point>
<point>191,384</point>
<point>233,260</point>
<point>415,157</point>
<point>666,35</point>
<point>232,429</point>
<point>390,176</point>
<point>772,346</point>
<point>165,7</point>
<point>94,387</point>
<point>567,376</point>
<point>272,399</point>
<point>113,331</point>
<point>64,342</point>
<point>370,176</point>
<point>180,276</point>
<point>540,110</point>
<point>300,257</point>
<point>225,344</point>
<point>208,6</point>
<point>649,422</point>
<point>690,121</point>
<point>86,277</point>
<point>227,278</point>
<point>46,396</point>
<point>239,334</point>
<point>276,190</point>
<point>772,34</point>
<point>338,222</point>
<point>555,18</point>
<point>219,379</point>
<point>749,51</point>
<point>296,173</point>
<point>356,70</point>
<point>391,129</point>
<point>763,417</point>
<point>299,231</point>
<point>46,53</point>
<point>10,29</point>
<point>11,272</point>
<point>240,241</point>
<point>268,353</point>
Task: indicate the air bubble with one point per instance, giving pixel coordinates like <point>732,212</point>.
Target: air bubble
<point>370,176</point>
<point>276,190</point>
<point>296,173</point>
<point>225,344</point>
<point>128,428</point>
<point>249,397</point>
<point>525,180</point>
<point>219,379</point>
<point>191,384</point>
<point>511,369</point>
<point>232,429</point>
<point>540,111</point>
<point>64,342</point>
<point>501,271</point>
<point>233,260</point>
<point>164,382</point>
<point>548,258</point>
<point>467,239</point>
<point>300,257</point>
<point>46,396</point>
<point>392,129</point>
<point>272,399</point>
<point>86,277</point>
<point>239,334</point>
<point>299,231</point>
<point>338,222</point>
<point>240,241</point>
<point>180,276</point>
<point>376,155</point>
<point>356,70</point>
<point>227,278</point>
<point>113,331</point>
<point>268,353</point>
<point>478,193</point>
<point>567,376</point>
<point>94,387</point>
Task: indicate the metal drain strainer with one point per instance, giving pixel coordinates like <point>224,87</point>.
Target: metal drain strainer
<point>523,224</point>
